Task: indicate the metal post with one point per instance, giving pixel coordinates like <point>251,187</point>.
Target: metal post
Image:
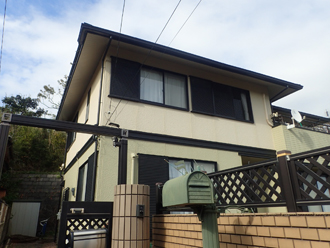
<point>122,161</point>
<point>208,215</point>
<point>285,179</point>
<point>159,190</point>
<point>4,130</point>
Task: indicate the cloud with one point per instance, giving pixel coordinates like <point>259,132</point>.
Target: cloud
<point>284,39</point>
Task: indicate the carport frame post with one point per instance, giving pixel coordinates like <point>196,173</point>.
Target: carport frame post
<point>4,131</point>
<point>65,126</point>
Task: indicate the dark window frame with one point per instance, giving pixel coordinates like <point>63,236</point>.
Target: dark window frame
<point>71,136</point>
<point>89,187</point>
<point>192,161</point>
<point>136,83</point>
<point>196,82</point>
<point>88,105</point>
<point>80,180</point>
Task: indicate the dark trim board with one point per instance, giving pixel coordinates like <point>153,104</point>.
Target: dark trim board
<point>89,142</point>
<point>66,126</point>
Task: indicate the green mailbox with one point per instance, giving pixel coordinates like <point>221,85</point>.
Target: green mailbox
<point>195,190</point>
<point>191,189</point>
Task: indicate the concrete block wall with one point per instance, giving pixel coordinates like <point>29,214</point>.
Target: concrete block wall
<point>310,230</point>
<point>39,186</point>
<point>44,188</point>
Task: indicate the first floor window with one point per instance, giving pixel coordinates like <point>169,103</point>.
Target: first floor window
<point>179,168</point>
<point>86,180</point>
<point>82,178</point>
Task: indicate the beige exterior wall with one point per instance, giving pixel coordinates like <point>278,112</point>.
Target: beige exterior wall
<point>82,138</point>
<point>298,140</point>
<point>163,120</point>
<point>107,171</point>
<point>71,177</point>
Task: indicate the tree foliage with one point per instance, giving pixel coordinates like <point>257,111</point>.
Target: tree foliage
<point>22,106</point>
<point>35,149</point>
<point>51,97</point>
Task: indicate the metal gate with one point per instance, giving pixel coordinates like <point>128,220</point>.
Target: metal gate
<point>84,215</point>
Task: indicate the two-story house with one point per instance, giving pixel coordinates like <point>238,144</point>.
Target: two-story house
<point>192,113</point>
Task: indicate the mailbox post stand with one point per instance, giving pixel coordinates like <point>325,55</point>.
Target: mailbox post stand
<point>208,215</point>
<point>195,190</point>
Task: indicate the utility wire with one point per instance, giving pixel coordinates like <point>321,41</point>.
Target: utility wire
<point>122,16</point>
<point>149,52</point>
<point>185,22</point>
<point>118,44</point>
<point>3,31</point>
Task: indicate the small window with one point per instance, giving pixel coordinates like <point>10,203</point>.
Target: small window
<point>87,106</point>
<point>86,180</point>
<point>82,179</point>
<point>71,137</point>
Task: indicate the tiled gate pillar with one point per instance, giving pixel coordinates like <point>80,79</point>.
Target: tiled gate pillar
<point>128,229</point>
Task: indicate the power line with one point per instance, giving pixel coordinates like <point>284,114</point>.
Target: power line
<point>168,21</point>
<point>149,52</point>
<point>118,44</point>
<point>185,22</point>
<point>3,31</point>
<point>122,16</point>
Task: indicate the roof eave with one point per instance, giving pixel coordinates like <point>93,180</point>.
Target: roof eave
<point>87,28</point>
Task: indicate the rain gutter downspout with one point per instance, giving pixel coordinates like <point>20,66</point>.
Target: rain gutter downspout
<point>266,112</point>
<point>98,114</point>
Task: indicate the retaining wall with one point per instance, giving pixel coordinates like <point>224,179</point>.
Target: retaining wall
<point>44,188</point>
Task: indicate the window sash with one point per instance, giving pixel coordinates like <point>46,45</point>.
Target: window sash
<point>181,167</point>
<point>175,90</point>
<point>82,179</point>
<point>87,106</point>
<point>151,85</point>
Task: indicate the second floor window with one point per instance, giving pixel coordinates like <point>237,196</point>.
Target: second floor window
<point>220,100</point>
<point>87,106</point>
<point>163,87</point>
<point>132,81</point>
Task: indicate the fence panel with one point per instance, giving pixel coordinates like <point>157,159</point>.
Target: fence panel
<point>249,186</point>
<point>310,173</point>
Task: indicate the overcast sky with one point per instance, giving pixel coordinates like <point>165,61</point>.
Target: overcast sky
<point>289,40</point>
